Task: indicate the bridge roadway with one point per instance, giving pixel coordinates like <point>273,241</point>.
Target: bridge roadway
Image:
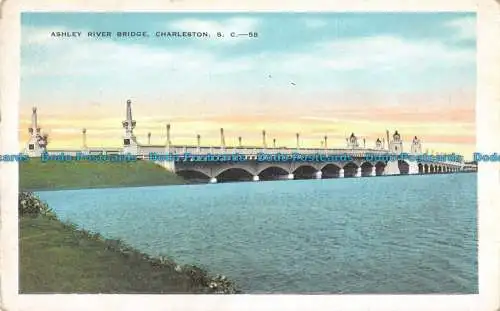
<point>250,167</point>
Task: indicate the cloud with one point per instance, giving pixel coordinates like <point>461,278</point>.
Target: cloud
<point>459,113</point>
<point>464,27</point>
<point>239,24</point>
<point>377,53</point>
<point>382,59</point>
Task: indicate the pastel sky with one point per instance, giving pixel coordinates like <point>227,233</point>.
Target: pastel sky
<point>314,73</point>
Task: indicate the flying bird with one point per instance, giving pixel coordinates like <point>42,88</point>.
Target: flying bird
<point>292,83</point>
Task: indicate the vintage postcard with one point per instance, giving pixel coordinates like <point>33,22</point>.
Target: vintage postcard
<point>199,154</point>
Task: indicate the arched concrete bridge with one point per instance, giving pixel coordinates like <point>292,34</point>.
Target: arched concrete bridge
<point>252,169</point>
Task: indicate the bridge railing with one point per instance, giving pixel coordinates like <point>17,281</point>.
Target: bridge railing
<point>255,151</point>
<point>249,153</point>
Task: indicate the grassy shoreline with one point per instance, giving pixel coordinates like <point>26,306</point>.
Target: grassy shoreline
<point>58,257</point>
<point>35,175</point>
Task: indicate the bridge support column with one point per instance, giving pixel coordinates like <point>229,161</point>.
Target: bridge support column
<point>255,178</point>
<point>374,171</point>
<point>413,168</point>
<point>318,174</point>
<point>213,180</point>
<point>290,176</point>
<point>168,165</point>
<point>341,173</point>
<point>392,168</point>
<point>358,172</point>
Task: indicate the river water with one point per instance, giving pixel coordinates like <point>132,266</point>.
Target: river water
<point>398,234</point>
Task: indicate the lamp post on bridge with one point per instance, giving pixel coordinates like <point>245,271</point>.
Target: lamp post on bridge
<point>239,142</point>
<point>274,143</point>
<point>168,142</point>
<point>149,138</point>
<point>264,144</point>
<point>388,140</point>
<point>326,142</point>
<point>84,138</point>
<point>198,142</point>
<point>297,135</point>
<point>222,139</point>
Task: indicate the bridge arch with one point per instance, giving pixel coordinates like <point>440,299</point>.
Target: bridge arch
<point>431,169</point>
<point>305,171</point>
<point>380,168</point>
<point>194,175</point>
<point>426,168</point>
<point>273,172</point>
<point>266,166</point>
<point>366,169</point>
<point>331,170</point>
<point>350,169</point>
<point>216,171</point>
<point>234,174</point>
<point>404,167</point>
<point>420,168</point>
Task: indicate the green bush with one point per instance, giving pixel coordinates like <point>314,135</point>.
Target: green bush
<point>30,205</point>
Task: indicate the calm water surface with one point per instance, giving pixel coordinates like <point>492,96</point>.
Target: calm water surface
<point>402,234</point>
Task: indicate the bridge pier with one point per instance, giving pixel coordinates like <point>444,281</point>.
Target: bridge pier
<point>392,168</point>
<point>290,176</point>
<point>341,173</point>
<point>318,174</point>
<point>413,168</point>
<point>168,165</point>
<point>374,171</point>
<point>255,178</point>
<point>358,172</point>
<point>213,180</point>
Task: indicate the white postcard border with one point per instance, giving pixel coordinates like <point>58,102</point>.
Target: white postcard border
<point>488,140</point>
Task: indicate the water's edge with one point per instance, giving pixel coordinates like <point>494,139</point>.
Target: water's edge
<point>201,280</point>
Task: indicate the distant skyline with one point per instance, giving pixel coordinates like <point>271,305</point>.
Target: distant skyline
<point>313,73</point>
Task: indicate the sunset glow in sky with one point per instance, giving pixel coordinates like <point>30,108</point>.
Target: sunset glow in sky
<point>317,74</point>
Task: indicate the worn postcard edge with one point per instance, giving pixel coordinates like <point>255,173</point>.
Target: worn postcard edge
<point>488,132</point>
